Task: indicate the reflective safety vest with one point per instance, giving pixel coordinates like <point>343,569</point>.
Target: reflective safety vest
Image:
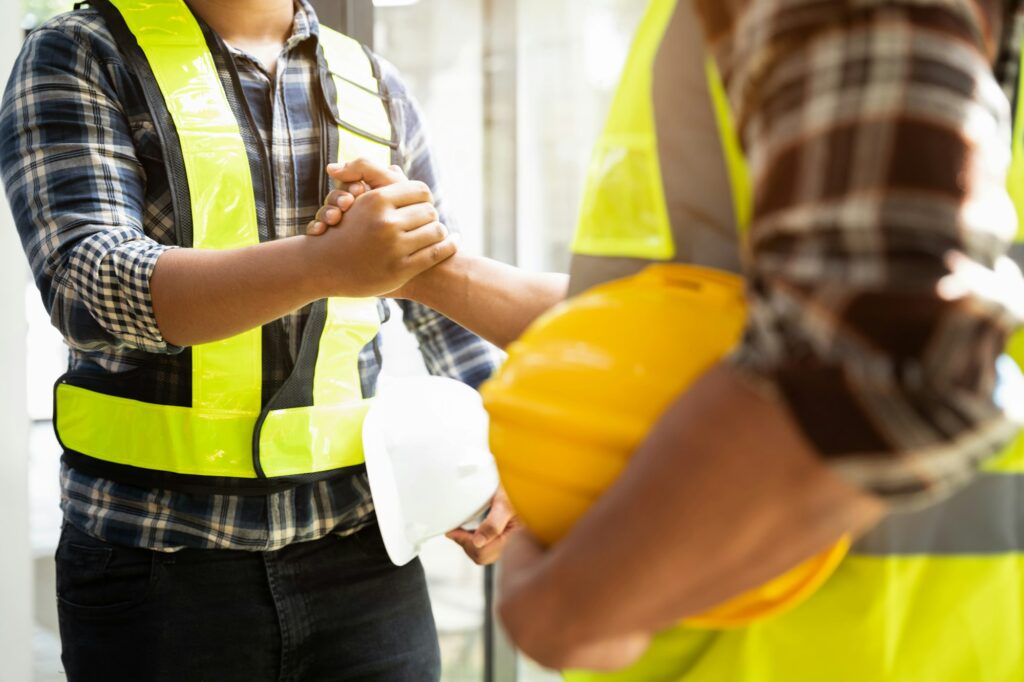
<point>228,436</point>
<point>932,595</point>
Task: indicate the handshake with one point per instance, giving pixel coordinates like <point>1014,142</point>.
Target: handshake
<point>391,231</point>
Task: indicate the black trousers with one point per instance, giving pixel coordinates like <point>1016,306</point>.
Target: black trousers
<point>333,609</point>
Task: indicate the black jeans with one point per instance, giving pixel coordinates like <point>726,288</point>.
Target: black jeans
<point>333,609</point>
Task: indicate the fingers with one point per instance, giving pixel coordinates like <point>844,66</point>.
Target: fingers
<point>486,544</point>
<point>463,538</point>
<point>416,216</point>
<point>482,556</point>
<point>424,237</point>
<point>406,193</point>
<point>331,213</point>
<point>366,171</point>
<point>498,520</point>
<point>343,199</point>
<point>357,189</point>
<point>428,257</point>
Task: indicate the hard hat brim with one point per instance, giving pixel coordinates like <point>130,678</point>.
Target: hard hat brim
<point>386,499</point>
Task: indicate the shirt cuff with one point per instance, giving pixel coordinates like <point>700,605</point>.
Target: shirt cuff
<point>904,439</point>
<point>110,272</point>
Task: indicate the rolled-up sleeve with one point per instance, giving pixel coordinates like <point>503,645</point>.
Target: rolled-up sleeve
<point>878,141</point>
<point>76,188</point>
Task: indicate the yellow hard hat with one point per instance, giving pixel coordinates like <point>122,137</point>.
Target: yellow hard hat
<point>584,385</point>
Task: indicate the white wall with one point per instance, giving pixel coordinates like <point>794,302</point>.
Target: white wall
<point>15,556</point>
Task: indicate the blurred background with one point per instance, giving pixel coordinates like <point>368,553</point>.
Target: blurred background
<point>514,92</point>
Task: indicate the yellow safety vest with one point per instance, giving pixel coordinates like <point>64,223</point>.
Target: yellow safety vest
<point>229,437</point>
<point>931,595</point>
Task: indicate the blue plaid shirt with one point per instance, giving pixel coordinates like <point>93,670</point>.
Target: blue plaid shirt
<point>83,171</point>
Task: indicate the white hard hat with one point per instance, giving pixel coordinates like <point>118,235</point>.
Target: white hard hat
<point>430,469</point>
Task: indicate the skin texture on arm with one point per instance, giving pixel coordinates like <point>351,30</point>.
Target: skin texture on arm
<point>704,511</point>
<point>775,454</point>
<point>390,235</point>
<point>203,296</point>
<point>494,300</point>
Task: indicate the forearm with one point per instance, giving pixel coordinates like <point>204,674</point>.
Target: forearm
<point>201,296</point>
<point>686,527</point>
<point>496,301</point>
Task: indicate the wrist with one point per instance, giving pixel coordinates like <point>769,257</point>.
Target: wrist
<point>431,287</point>
<point>313,274</point>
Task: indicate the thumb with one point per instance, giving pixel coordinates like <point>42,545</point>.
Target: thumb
<point>493,526</point>
<point>366,171</point>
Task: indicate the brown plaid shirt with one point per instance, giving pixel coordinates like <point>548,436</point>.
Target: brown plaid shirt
<point>878,135</point>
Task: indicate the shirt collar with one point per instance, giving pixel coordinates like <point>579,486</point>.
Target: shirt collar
<point>305,25</point>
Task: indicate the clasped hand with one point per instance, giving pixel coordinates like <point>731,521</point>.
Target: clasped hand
<point>390,230</point>
<point>395,221</point>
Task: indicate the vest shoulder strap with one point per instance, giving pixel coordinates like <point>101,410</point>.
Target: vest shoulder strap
<point>359,103</point>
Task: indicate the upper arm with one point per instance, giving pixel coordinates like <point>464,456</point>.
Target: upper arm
<point>77,188</point>
<point>878,139</point>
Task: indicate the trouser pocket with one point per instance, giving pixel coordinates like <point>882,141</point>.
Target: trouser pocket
<point>97,578</point>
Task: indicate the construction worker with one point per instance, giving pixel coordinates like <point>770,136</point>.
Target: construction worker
<point>865,386</point>
<point>161,161</point>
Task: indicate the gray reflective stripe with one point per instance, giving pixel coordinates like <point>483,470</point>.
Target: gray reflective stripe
<point>694,174</point>
<point>695,178</point>
<point>588,271</point>
<point>1017,253</point>
<point>986,517</point>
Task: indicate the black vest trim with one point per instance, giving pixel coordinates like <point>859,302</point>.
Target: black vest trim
<point>167,132</point>
<point>197,485</point>
<point>297,390</point>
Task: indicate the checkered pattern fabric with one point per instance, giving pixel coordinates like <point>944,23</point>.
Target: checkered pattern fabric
<point>82,166</point>
<point>878,137</point>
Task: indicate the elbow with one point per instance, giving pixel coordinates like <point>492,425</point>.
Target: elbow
<point>84,333</point>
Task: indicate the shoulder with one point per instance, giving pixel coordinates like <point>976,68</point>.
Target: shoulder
<point>75,59</point>
<point>82,31</point>
<point>405,110</point>
<point>391,78</point>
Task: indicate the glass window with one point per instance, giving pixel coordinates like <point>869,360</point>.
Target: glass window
<point>514,94</point>
<point>569,57</point>
<point>513,107</point>
<point>444,74</point>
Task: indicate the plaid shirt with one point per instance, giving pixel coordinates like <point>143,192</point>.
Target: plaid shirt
<point>83,171</point>
<point>878,135</point>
